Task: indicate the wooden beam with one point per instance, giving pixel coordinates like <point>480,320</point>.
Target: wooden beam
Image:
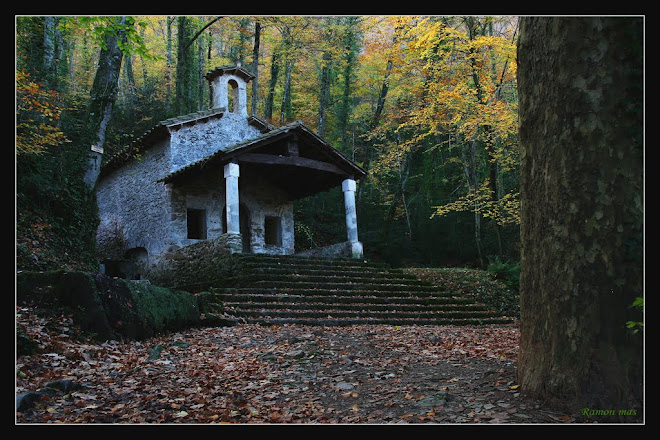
<point>269,159</point>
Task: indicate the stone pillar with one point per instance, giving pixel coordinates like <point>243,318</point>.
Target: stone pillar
<point>231,198</point>
<point>348,187</point>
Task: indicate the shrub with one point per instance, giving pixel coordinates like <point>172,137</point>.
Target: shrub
<point>507,272</point>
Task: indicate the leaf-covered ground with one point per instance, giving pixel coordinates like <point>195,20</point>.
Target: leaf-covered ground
<point>277,375</point>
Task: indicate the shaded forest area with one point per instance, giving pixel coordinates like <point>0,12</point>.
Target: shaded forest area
<point>426,105</point>
<point>429,107</point>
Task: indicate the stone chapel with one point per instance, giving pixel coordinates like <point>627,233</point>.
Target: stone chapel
<point>218,174</point>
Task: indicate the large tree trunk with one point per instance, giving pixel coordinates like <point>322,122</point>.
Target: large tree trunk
<point>349,60</point>
<point>103,96</point>
<point>580,83</point>
<point>185,67</point>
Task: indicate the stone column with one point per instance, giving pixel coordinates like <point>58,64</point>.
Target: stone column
<point>348,187</point>
<point>231,198</point>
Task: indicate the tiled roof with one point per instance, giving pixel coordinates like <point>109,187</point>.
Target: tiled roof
<point>195,116</point>
<point>236,70</point>
<point>161,129</point>
<point>241,147</point>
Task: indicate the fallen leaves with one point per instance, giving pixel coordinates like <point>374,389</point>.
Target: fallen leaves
<point>277,374</point>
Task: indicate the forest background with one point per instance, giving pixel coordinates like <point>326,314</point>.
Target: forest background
<point>426,105</point>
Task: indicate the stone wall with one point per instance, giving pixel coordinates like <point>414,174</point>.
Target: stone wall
<point>134,205</point>
<point>191,143</point>
<point>206,193</point>
<point>264,198</point>
<point>346,249</point>
<point>200,266</point>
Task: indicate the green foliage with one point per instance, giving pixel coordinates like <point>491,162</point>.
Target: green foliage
<point>101,27</point>
<point>56,214</point>
<point>636,326</point>
<point>414,143</point>
<point>506,271</point>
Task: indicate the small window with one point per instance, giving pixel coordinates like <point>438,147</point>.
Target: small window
<point>273,231</point>
<point>196,223</point>
<point>232,95</point>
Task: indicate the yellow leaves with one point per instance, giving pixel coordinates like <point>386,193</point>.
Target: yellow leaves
<point>505,210</point>
<point>37,115</point>
<point>465,76</point>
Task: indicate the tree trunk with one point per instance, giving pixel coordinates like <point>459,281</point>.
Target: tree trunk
<point>185,71</point>
<point>274,73</point>
<point>324,92</point>
<point>470,169</point>
<point>255,67</point>
<point>170,61</point>
<point>202,85</point>
<point>285,110</point>
<point>103,95</point>
<point>50,66</point>
<point>350,57</point>
<point>580,83</point>
<point>375,120</point>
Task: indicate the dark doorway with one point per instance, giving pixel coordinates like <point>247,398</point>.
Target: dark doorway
<point>245,228</point>
<point>273,230</point>
<point>196,219</point>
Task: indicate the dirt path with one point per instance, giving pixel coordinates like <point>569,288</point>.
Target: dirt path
<point>288,374</point>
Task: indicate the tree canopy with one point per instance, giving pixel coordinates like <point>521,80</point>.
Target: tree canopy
<point>426,104</point>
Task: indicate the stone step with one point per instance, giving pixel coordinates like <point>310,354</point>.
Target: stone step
<point>334,299</point>
<point>287,260</point>
<point>362,314</point>
<point>332,321</point>
<point>358,307</point>
<point>345,285</point>
<point>276,273</point>
<point>365,291</point>
<point>320,291</point>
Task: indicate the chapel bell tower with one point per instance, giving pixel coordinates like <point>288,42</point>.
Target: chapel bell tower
<point>229,88</point>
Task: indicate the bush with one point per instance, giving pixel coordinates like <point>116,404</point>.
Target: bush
<point>507,272</point>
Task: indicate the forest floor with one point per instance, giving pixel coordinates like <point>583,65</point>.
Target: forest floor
<point>250,374</point>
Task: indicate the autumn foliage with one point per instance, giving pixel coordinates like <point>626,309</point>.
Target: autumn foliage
<point>38,113</point>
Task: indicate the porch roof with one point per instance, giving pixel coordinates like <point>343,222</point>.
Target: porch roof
<point>292,156</point>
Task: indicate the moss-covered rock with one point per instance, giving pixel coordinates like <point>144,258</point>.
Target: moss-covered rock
<point>110,307</point>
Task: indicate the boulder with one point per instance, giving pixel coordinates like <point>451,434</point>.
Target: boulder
<point>110,308</point>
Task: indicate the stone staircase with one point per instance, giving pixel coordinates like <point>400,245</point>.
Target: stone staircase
<point>314,291</point>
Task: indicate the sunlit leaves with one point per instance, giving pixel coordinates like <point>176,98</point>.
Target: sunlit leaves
<point>100,27</point>
<point>37,115</point>
<point>504,210</point>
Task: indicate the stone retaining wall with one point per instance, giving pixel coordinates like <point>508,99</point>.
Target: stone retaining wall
<point>197,267</point>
